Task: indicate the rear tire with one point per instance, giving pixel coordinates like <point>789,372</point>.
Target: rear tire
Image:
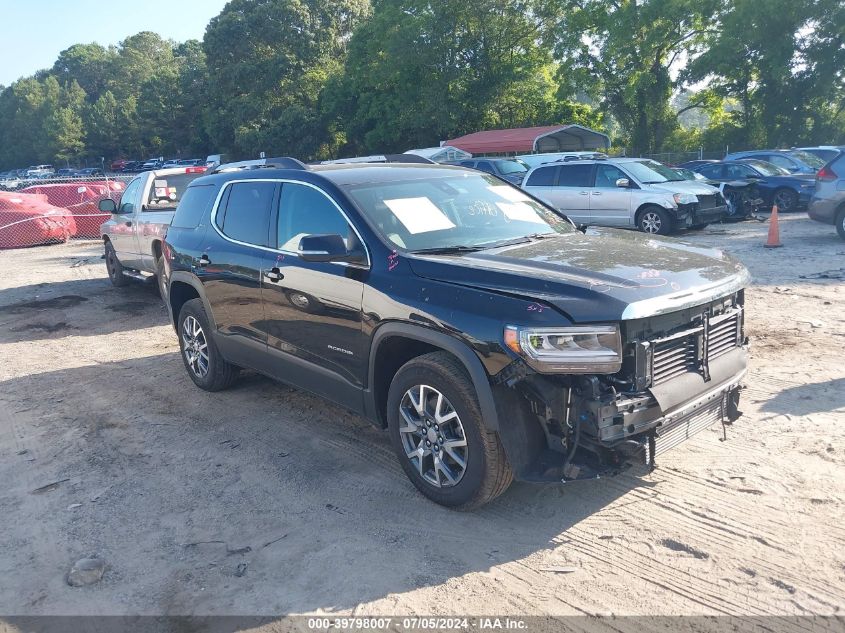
<point>203,361</point>
<point>161,279</point>
<point>114,267</point>
<point>785,199</point>
<point>655,221</point>
<point>840,223</point>
<point>431,399</point>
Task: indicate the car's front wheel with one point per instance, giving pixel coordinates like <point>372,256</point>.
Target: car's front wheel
<point>655,220</point>
<point>840,223</point>
<point>439,436</point>
<point>114,267</point>
<point>206,366</point>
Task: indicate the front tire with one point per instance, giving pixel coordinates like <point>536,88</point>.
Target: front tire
<point>114,267</point>
<point>203,361</point>
<point>840,223</point>
<point>655,221</point>
<point>439,436</point>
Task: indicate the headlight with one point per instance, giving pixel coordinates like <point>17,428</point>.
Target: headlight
<point>684,198</point>
<point>589,349</point>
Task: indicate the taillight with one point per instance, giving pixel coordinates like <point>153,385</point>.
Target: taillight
<point>826,173</point>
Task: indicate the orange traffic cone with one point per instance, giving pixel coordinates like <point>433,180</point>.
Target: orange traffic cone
<point>774,230</point>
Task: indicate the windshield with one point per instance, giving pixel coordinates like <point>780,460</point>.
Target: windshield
<point>813,161</point>
<point>512,166</point>
<point>767,169</point>
<point>465,209</point>
<point>651,172</point>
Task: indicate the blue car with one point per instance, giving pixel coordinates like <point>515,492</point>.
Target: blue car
<point>775,185</point>
<point>792,160</point>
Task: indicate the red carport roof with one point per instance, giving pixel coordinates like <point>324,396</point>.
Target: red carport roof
<point>547,138</point>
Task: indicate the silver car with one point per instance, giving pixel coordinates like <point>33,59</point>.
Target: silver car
<point>828,203</point>
<point>626,192</point>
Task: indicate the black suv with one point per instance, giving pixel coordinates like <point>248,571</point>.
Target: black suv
<point>490,336</point>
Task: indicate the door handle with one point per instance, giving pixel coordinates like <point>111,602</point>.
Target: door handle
<point>584,193</point>
<point>203,260</point>
<point>275,275</point>
<point>597,193</point>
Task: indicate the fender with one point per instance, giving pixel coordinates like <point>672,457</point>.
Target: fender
<point>191,280</point>
<point>448,343</point>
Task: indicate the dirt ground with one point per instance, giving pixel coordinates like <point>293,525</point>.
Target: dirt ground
<point>266,500</point>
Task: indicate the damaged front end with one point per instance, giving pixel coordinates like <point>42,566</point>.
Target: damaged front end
<point>680,373</point>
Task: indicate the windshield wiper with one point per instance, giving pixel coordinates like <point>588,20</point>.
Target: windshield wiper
<point>447,250</point>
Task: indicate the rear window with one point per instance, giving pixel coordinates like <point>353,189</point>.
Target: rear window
<point>575,175</point>
<point>542,177</point>
<point>167,191</point>
<point>246,217</point>
<point>193,205</point>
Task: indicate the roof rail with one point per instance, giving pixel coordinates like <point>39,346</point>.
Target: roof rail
<point>282,162</point>
<point>379,158</point>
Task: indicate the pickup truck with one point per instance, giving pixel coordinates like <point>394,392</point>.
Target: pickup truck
<point>132,237</point>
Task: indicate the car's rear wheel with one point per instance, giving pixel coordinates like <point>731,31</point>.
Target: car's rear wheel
<point>203,361</point>
<point>114,267</point>
<point>161,278</point>
<point>785,199</point>
<point>655,220</point>
<point>439,436</point>
<point>840,223</point>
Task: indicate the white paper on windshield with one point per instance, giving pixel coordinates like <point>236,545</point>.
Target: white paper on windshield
<point>419,215</point>
<point>509,193</point>
<point>519,211</point>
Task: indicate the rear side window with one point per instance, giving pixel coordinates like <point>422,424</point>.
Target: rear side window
<point>484,165</point>
<point>542,177</point>
<point>246,216</point>
<point>192,206</point>
<point>780,161</point>
<point>713,171</point>
<point>575,175</point>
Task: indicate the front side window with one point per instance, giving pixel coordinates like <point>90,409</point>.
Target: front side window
<point>304,210</point>
<point>607,175</point>
<point>711,171</point>
<point>739,171</point>
<point>650,172</point>
<point>484,165</point>
<point>246,214</point>
<point>128,199</point>
<point>471,210</point>
<point>780,161</point>
<point>512,167</point>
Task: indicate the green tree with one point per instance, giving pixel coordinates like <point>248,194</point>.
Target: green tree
<point>622,52</point>
<point>64,134</point>
<point>419,72</point>
<point>268,61</point>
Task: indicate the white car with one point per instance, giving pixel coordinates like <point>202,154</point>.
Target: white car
<point>627,193</point>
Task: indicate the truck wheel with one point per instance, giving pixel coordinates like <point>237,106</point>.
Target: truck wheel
<point>161,279</point>
<point>206,366</point>
<point>114,267</point>
<point>656,221</point>
<point>786,199</point>
<point>840,223</point>
<point>439,437</point>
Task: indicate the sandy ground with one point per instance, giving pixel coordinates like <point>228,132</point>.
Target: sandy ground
<point>266,500</point>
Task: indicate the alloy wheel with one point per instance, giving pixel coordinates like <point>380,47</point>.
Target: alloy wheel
<point>651,222</point>
<point>432,436</point>
<point>784,200</point>
<point>195,346</point>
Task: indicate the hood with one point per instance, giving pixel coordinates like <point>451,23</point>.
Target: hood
<point>603,275</point>
<point>695,187</point>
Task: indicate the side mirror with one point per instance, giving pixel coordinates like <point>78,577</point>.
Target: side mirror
<point>327,248</point>
<point>107,205</point>
<point>623,183</point>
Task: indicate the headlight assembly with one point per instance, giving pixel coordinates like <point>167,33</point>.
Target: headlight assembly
<point>684,198</point>
<point>589,349</point>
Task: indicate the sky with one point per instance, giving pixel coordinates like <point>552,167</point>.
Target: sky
<point>34,34</point>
